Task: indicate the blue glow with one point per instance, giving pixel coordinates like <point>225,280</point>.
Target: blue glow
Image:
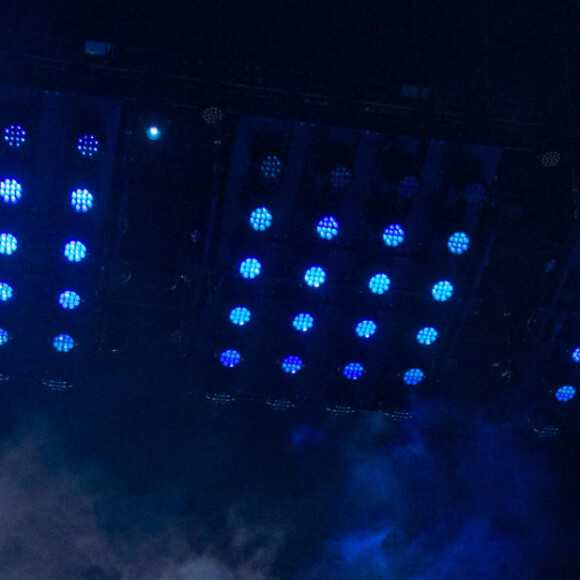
<point>88,146</point>
<point>15,136</point>
<point>63,342</point>
<point>379,283</point>
<point>366,328</point>
<point>75,251</point>
<point>3,336</point>
<point>240,315</point>
<point>303,322</point>
<point>8,244</point>
<point>250,268</point>
<point>442,291</point>
<point>6,291</point>
<point>230,358</point>
<point>408,186</point>
<point>81,200</point>
<point>315,276</point>
<point>427,335</point>
<point>353,371</point>
<point>292,364</point>
<point>413,376</point>
<point>271,167</point>
<point>261,219</point>
<point>69,300</point>
<point>576,355</point>
<point>327,228</point>
<point>340,177</point>
<point>394,235</point>
<point>10,190</point>
<point>565,393</point>
<point>153,133</point>
<point>458,243</point>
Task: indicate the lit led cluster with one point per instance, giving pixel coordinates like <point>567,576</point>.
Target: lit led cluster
<point>75,251</point>
<point>292,364</point>
<point>458,243</point>
<point>442,291</point>
<point>10,190</point>
<point>3,336</point>
<point>261,219</point>
<point>69,300</point>
<point>230,358</point>
<point>327,228</point>
<point>88,146</point>
<point>240,316</point>
<point>15,136</point>
<point>303,322</point>
<point>413,376</point>
<point>394,235</point>
<point>81,200</point>
<point>379,283</point>
<point>63,342</point>
<point>353,371</point>
<point>8,244</point>
<point>250,268</point>
<point>271,167</point>
<point>315,276</point>
<point>565,393</point>
<point>6,291</point>
<point>427,335</point>
<point>366,328</point>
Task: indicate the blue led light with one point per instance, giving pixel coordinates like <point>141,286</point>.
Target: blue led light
<point>292,364</point>
<point>8,244</point>
<point>10,190</point>
<point>565,393</point>
<point>75,251</point>
<point>408,186</point>
<point>6,291</point>
<point>379,283</point>
<point>88,146</point>
<point>14,136</point>
<point>261,219</point>
<point>576,355</point>
<point>458,243</point>
<point>366,328</point>
<point>69,300</point>
<point>442,291</point>
<point>81,200</point>
<point>353,371</point>
<point>315,276</point>
<point>303,322</point>
<point>271,167</point>
<point>340,177</point>
<point>230,358</point>
<point>327,228</point>
<point>250,268</point>
<point>413,376</point>
<point>240,315</point>
<point>63,342</point>
<point>153,133</point>
<point>427,335</point>
<point>393,235</point>
<point>3,336</point>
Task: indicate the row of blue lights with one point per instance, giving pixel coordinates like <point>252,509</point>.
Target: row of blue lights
<point>61,342</point>
<point>81,199</point>
<point>73,251</point>
<point>68,299</point>
<point>271,168</point>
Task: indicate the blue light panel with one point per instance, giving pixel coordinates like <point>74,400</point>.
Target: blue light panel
<point>88,146</point>
<point>442,291</point>
<point>413,376</point>
<point>10,190</point>
<point>271,167</point>
<point>303,322</point>
<point>240,315</point>
<point>458,243</point>
<point>15,136</point>
<point>340,177</point>
<point>366,328</point>
<point>261,219</point>
<point>315,276</point>
<point>250,268</point>
<point>427,335</point>
<point>69,300</point>
<point>379,283</point>
<point>393,235</point>
<point>353,371</point>
<point>3,336</point>
<point>81,200</point>
<point>292,364</point>
<point>230,358</point>
<point>8,244</point>
<point>75,251</point>
<point>576,355</point>
<point>408,186</point>
<point>327,228</point>
<point>6,291</point>
<point>565,393</point>
<point>63,342</point>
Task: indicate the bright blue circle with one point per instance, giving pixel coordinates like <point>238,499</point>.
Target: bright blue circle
<point>75,251</point>
<point>366,328</point>
<point>458,243</point>
<point>3,336</point>
<point>10,190</point>
<point>442,291</point>
<point>315,276</point>
<point>565,393</point>
<point>261,219</point>
<point>303,322</point>
<point>393,235</point>
<point>6,291</point>
<point>230,358</point>
<point>240,315</point>
<point>327,228</point>
<point>250,268</point>
<point>81,200</point>
<point>153,133</point>
<point>353,371</point>
<point>69,300</point>
<point>379,283</point>
<point>63,342</point>
<point>413,376</point>
<point>292,364</point>
<point>576,355</point>
<point>8,244</point>
<point>88,145</point>
<point>15,136</point>
<point>427,335</point>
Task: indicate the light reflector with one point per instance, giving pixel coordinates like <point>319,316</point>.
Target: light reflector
<point>3,336</point>
<point>565,393</point>
<point>75,251</point>
<point>327,228</point>
<point>413,376</point>
<point>261,219</point>
<point>315,276</point>
<point>393,235</point>
<point>240,315</point>
<point>292,364</point>
<point>88,146</point>
<point>10,190</point>
<point>442,291</point>
<point>14,136</point>
<point>63,342</point>
<point>303,322</point>
<point>271,167</point>
<point>379,283</point>
<point>250,268</point>
<point>366,328</point>
<point>6,291</point>
<point>230,358</point>
<point>340,177</point>
<point>353,371</point>
<point>8,244</point>
<point>458,243</point>
<point>81,200</point>
<point>69,300</point>
<point>427,335</point>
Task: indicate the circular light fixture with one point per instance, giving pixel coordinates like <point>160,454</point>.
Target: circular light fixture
<point>427,335</point>
<point>379,283</point>
<point>63,342</point>
<point>565,393</point>
<point>240,316</point>
<point>366,328</point>
<point>315,276</point>
<point>327,228</point>
<point>292,364</point>
<point>353,371</point>
<point>230,358</point>
<point>303,322</point>
<point>153,133</point>
<point>442,291</point>
<point>458,243</point>
<point>394,235</point>
<point>261,219</point>
<point>413,376</point>
<point>250,268</point>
